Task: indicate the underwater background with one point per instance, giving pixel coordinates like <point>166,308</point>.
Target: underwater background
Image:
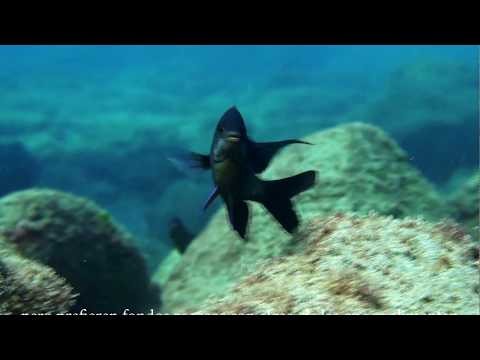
<point>99,121</point>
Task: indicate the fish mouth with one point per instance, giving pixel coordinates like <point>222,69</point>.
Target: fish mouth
<point>233,137</point>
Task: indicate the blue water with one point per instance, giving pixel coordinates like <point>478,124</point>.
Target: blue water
<point>96,120</point>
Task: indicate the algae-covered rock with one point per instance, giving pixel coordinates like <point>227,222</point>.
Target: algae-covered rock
<point>82,244</point>
<point>28,287</point>
<point>370,264</point>
<point>464,204</point>
<point>416,97</point>
<point>431,108</point>
<point>360,169</point>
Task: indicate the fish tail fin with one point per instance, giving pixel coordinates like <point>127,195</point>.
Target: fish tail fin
<point>276,197</point>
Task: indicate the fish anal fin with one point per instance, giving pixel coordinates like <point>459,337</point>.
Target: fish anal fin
<point>238,214</point>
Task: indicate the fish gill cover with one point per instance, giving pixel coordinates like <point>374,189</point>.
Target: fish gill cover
<point>394,128</point>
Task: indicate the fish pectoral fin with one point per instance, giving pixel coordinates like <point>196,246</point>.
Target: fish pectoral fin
<point>213,195</point>
<point>188,162</point>
<point>260,154</point>
<point>238,215</point>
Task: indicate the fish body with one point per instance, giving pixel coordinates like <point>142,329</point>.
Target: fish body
<point>235,160</point>
<point>180,236</point>
<point>231,173</point>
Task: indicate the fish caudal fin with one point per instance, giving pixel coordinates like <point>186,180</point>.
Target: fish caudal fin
<point>276,197</point>
<point>282,211</point>
<point>290,186</point>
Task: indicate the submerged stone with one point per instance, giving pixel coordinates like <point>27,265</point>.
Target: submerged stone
<point>464,204</point>
<point>28,287</point>
<point>350,264</point>
<point>83,244</point>
<point>360,169</point>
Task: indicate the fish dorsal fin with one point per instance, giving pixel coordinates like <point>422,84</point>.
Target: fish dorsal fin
<point>261,153</point>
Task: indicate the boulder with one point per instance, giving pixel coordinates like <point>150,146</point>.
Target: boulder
<point>464,204</point>
<point>350,264</point>
<point>83,244</point>
<point>360,169</point>
<point>28,287</point>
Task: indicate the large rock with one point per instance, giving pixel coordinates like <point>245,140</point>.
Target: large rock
<point>82,244</point>
<point>431,109</point>
<point>372,264</point>
<point>360,169</point>
<point>416,96</point>
<point>28,287</point>
<point>166,267</point>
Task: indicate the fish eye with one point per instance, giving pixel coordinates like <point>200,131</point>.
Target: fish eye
<point>221,129</point>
